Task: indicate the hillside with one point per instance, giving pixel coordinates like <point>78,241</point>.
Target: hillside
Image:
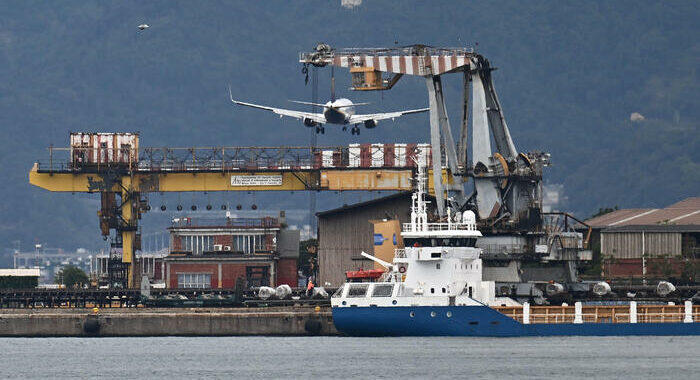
<point>569,76</point>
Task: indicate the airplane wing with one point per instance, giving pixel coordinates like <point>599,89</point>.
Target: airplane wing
<point>356,119</point>
<point>317,117</point>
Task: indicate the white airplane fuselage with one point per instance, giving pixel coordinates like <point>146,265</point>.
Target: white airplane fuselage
<point>338,111</point>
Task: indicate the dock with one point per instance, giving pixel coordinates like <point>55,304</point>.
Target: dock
<point>134,322</point>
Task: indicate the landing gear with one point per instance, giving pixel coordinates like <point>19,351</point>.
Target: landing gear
<point>320,129</point>
<point>355,131</point>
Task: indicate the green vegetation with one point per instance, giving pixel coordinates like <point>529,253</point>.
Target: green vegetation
<point>308,253</point>
<point>604,210</point>
<point>71,276</point>
<point>570,76</point>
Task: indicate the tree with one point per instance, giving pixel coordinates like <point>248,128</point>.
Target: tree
<point>71,276</point>
<point>307,256</point>
<point>604,210</point>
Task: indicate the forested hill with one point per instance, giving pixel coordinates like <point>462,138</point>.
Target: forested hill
<point>570,74</point>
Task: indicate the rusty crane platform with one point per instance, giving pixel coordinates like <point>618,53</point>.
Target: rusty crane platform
<point>114,165</point>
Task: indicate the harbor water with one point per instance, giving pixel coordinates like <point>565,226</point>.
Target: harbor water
<point>344,357</point>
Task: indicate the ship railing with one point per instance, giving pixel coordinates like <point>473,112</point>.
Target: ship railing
<point>400,253</point>
<point>655,317</point>
<point>560,318</point>
<point>602,314</point>
<point>391,277</point>
<point>407,227</point>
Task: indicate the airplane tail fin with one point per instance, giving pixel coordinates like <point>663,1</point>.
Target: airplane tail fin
<point>332,84</point>
<point>308,103</point>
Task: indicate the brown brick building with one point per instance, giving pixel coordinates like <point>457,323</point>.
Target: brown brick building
<point>214,254</point>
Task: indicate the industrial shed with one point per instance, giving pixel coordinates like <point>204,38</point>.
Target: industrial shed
<point>635,243</point>
<point>346,231</point>
<point>628,242</point>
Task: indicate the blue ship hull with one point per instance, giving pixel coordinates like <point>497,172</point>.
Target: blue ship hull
<point>479,321</point>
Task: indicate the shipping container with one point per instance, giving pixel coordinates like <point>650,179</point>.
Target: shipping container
<point>424,155</point>
<point>94,149</point>
<point>354,154</point>
<point>400,157</point>
<point>377,155</point>
<point>365,155</point>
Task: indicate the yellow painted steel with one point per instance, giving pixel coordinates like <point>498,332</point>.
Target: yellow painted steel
<point>130,185</point>
<point>130,217</point>
<point>168,182</point>
<point>366,179</point>
<point>67,182</point>
<point>345,179</point>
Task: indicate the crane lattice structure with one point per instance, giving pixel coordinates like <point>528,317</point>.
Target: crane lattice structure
<point>125,174</point>
<point>507,184</point>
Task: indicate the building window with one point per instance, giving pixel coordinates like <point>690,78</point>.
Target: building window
<point>198,244</point>
<point>250,244</point>
<point>194,280</point>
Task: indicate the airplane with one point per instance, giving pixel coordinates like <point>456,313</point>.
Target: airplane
<point>336,111</point>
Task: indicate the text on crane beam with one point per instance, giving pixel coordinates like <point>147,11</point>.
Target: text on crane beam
<point>256,180</point>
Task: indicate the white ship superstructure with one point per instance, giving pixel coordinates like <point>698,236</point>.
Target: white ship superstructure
<point>440,265</point>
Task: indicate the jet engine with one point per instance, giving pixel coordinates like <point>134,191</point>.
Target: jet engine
<point>309,123</point>
<point>369,124</point>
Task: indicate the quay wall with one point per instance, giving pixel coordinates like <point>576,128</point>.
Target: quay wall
<point>166,322</point>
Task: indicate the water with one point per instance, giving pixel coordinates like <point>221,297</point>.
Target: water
<point>342,358</point>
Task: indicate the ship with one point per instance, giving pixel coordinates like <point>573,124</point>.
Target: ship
<point>434,287</point>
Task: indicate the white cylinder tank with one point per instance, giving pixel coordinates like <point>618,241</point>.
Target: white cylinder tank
<point>266,292</point>
<point>283,291</point>
<point>601,288</point>
<point>665,288</point>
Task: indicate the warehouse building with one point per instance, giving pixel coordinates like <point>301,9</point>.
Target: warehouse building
<point>345,232</point>
<point>19,278</point>
<point>207,254</point>
<point>653,243</point>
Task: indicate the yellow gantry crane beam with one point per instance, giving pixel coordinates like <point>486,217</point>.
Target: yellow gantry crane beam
<point>128,184</point>
<point>346,179</point>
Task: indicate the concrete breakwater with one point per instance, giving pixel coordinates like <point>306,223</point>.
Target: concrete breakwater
<point>292,321</point>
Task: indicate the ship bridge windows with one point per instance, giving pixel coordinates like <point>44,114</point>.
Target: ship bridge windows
<point>358,290</point>
<point>440,242</point>
<point>339,293</point>
<point>382,290</point>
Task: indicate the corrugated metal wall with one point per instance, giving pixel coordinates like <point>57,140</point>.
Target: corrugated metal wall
<point>628,245</point>
<point>344,234</point>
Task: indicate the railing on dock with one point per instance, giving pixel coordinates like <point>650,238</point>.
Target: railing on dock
<point>601,314</point>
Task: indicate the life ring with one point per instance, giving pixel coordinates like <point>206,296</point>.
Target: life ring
<point>402,269</point>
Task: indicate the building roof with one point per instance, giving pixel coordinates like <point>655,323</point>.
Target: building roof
<point>366,203</point>
<point>685,212</point>
<point>31,272</point>
<point>654,228</point>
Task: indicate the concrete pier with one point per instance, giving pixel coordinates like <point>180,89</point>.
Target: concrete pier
<point>290,321</point>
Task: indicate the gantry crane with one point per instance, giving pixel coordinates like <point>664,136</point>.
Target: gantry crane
<point>113,165</point>
<point>507,193</point>
<point>507,183</point>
